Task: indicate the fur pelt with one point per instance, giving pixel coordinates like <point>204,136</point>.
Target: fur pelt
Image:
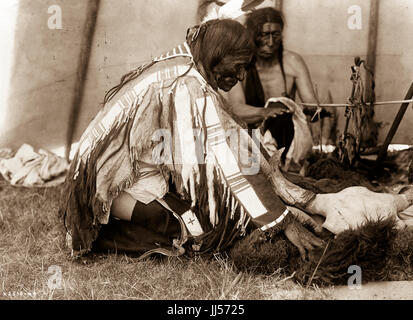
<point>332,176</point>
<point>382,252</point>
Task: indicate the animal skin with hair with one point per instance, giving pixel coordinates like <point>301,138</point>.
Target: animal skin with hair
<point>347,209</point>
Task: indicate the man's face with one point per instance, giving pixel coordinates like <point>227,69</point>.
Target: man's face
<point>269,40</point>
<point>229,71</point>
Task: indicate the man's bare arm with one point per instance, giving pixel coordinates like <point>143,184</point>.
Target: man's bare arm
<point>303,78</point>
<point>248,113</point>
<point>305,86</point>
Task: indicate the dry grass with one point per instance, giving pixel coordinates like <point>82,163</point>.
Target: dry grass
<point>31,241</point>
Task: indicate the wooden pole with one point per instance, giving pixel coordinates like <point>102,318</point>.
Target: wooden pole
<point>383,151</point>
<point>82,68</point>
<point>371,48</point>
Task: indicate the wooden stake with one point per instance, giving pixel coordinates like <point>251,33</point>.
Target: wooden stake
<point>81,72</point>
<point>383,151</point>
<point>371,48</point>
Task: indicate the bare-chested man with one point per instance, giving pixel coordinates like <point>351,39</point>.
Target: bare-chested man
<point>277,73</point>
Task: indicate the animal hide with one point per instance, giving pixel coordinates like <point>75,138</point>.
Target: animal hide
<point>381,251</point>
<point>380,247</point>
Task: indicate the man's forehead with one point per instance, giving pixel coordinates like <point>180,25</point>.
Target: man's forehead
<point>271,26</point>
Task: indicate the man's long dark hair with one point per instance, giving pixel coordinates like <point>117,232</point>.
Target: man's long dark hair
<point>215,39</point>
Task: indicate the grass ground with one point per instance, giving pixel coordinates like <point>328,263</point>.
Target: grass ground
<point>35,265</point>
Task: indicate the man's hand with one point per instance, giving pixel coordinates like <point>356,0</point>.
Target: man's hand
<point>274,109</point>
<point>302,238</point>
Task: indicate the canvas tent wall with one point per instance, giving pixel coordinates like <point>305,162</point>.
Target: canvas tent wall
<point>39,63</point>
<point>45,60</point>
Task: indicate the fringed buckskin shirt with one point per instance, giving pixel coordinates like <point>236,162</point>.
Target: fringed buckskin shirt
<point>170,102</point>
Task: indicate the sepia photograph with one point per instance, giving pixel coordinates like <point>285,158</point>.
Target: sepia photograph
<point>207,155</point>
